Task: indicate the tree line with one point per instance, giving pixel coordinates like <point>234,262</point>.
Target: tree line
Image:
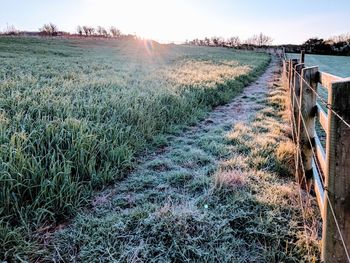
<point>336,45</point>
<point>51,29</point>
<point>259,40</point>
<point>99,31</point>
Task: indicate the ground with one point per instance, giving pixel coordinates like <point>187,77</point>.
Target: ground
<point>75,114</point>
<point>220,191</point>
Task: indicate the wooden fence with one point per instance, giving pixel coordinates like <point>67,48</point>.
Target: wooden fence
<point>326,169</point>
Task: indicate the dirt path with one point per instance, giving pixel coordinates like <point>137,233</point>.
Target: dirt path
<point>243,106</point>
<point>240,109</point>
<point>217,193</point>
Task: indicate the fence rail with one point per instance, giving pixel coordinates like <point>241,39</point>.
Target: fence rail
<point>327,170</point>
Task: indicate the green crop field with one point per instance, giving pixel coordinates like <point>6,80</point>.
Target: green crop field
<point>76,114</point>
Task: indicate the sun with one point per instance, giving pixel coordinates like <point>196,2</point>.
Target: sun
<point>163,21</point>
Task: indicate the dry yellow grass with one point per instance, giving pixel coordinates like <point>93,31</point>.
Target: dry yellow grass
<point>229,179</point>
<point>285,153</point>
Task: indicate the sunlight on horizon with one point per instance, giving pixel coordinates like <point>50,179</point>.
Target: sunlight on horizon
<point>155,19</point>
<point>177,21</point>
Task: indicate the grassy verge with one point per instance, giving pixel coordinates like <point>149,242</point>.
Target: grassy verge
<point>74,114</point>
<point>220,193</point>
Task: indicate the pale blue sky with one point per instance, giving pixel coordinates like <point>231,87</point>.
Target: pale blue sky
<point>170,20</point>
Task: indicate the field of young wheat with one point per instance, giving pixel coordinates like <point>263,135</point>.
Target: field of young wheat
<point>75,114</point>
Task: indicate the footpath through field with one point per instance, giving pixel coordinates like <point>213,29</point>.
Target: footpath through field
<point>219,192</point>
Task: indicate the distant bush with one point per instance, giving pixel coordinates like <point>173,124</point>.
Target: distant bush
<point>49,29</point>
<point>11,30</point>
<point>338,45</point>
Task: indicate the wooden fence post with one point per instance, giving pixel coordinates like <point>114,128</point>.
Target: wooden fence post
<point>292,64</point>
<point>289,86</point>
<point>286,76</point>
<point>308,113</point>
<point>337,177</point>
<point>302,56</point>
<point>290,74</point>
<point>296,104</point>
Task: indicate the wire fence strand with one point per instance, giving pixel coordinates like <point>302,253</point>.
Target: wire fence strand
<point>323,101</point>
<point>293,123</point>
<point>328,200</point>
<point>294,98</point>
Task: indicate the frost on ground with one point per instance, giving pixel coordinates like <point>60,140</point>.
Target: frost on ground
<point>75,114</point>
<point>222,191</point>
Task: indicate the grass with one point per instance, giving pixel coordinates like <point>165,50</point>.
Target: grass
<point>189,203</point>
<point>76,115</point>
<point>336,65</point>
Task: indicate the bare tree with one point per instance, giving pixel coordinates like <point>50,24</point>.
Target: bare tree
<point>259,40</point>
<point>195,42</point>
<point>251,41</point>
<point>234,41</point>
<point>99,30</point>
<point>91,30</point>
<point>115,32</point>
<point>221,41</point>
<point>105,32</point>
<point>86,30</point>
<point>341,38</point>
<point>49,29</point>
<point>45,29</point>
<point>11,30</point>
<point>215,41</point>
<point>80,30</point>
<point>263,40</point>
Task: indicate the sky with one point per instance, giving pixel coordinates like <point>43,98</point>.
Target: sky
<point>287,22</point>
